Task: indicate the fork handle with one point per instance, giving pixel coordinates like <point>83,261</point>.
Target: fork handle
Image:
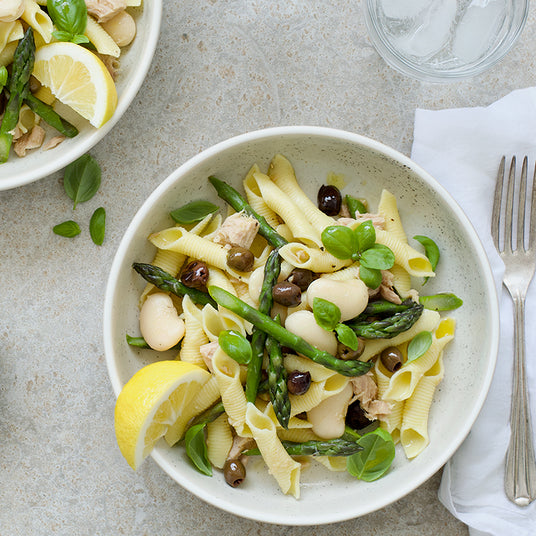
<point>520,472</point>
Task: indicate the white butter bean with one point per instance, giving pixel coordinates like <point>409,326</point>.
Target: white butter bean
<point>11,10</point>
<point>328,418</point>
<point>351,296</point>
<point>160,324</point>
<point>122,28</point>
<point>303,323</point>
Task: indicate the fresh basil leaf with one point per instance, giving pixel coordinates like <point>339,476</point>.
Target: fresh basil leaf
<point>60,35</point>
<point>193,212</point>
<point>138,342</point>
<point>68,229</point>
<point>340,241</point>
<point>97,226</point>
<point>443,301</point>
<point>370,276</point>
<point>378,256</point>
<point>431,250</point>
<point>196,448</point>
<point>79,39</point>
<point>235,346</point>
<point>355,205</point>
<point>327,314</point>
<point>366,236</point>
<point>68,15</point>
<point>346,335</point>
<point>82,179</point>
<point>376,457</point>
<point>419,345</point>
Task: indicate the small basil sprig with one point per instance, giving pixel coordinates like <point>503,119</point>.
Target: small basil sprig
<point>328,317</point>
<point>67,229</point>
<point>360,245</point>
<point>236,346</point>
<point>419,345</point>
<point>82,179</point>
<point>70,19</point>
<point>193,212</point>
<point>431,250</point>
<point>196,448</point>
<point>444,301</point>
<point>376,457</point>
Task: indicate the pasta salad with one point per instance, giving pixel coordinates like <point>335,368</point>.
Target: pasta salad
<point>304,318</point>
<point>57,56</point>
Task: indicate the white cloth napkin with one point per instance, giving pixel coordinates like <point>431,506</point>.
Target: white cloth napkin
<point>462,149</point>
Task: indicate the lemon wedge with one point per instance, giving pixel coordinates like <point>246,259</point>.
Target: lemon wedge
<point>150,402</point>
<point>77,78</point>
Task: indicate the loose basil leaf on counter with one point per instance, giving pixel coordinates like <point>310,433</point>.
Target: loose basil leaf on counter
<point>70,17</point>
<point>68,229</point>
<point>355,205</point>
<point>193,212</point>
<point>419,345</point>
<point>444,301</point>
<point>82,179</point>
<point>196,448</point>
<point>327,314</point>
<point>97,226</point>
<point>372,277</point>
<point>376,457</point>
<point>236,346</point>
<point>340,241</point>
<point>346,335</point>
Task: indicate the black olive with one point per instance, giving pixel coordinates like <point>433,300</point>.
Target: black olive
<point>298,382</point>
<point>287,294</point>
<point>240,259</point>
<point>391,358</point>
<point>301,277</point>
<point>234,472</point>
<point>345,352</point>
<point>329,200</point>
<point>355,416</point>
<point>195,275</point>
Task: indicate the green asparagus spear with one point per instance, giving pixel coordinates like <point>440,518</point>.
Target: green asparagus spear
<point>277,381</point>
<point>47,113</point>
<point>383,308</point>
<point>3,77</point>
<point>386,328</point>
<point>258,338</point>
<point>19,88</point>
<point>329,447</point>
<point>285,337</point>
<point>164,281</point>
<point>229,194</point>
<point>209,415</point>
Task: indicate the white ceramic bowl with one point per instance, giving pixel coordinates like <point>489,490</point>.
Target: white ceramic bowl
<point>135,62</point>
<point>426,208</point>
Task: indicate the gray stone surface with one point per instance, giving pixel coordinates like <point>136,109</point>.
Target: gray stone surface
<point>222,67</point>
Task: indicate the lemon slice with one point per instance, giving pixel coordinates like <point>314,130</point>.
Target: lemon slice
<point>150,402</point>
<point>77,78</point>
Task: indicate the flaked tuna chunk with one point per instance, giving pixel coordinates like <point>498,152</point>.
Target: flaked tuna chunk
<point>237,230</point>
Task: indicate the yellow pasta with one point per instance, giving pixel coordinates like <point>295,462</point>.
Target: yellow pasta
<point>392,421</point>
<point>9,32</point>
<point>316,260</point>
<point>255,199</point>
<point>317,392</point>
<point>402,280</point>
<point>195,335</point>
<point>414,429</point>
<point>388,209</point>
<point>282,174</point>
<point>219,440</point>
<point>101,39</point>
<point>333,463</point>
<point>281,466</point>
<point>38,20</point>
<point>345,274</point>
<point>303,364</point>
<point>7,53</point>
<point>404,381</point>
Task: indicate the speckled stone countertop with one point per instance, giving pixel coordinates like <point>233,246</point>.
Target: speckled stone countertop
<point>222,67</point>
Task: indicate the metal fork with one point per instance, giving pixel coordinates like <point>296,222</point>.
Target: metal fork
<point>514,233</point>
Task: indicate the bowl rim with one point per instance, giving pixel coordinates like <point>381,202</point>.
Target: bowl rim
<point>310,131</point>
<point>55,164</point>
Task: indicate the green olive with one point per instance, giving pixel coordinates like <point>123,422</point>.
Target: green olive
<point>240,259</point>
<point>234,472</point>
